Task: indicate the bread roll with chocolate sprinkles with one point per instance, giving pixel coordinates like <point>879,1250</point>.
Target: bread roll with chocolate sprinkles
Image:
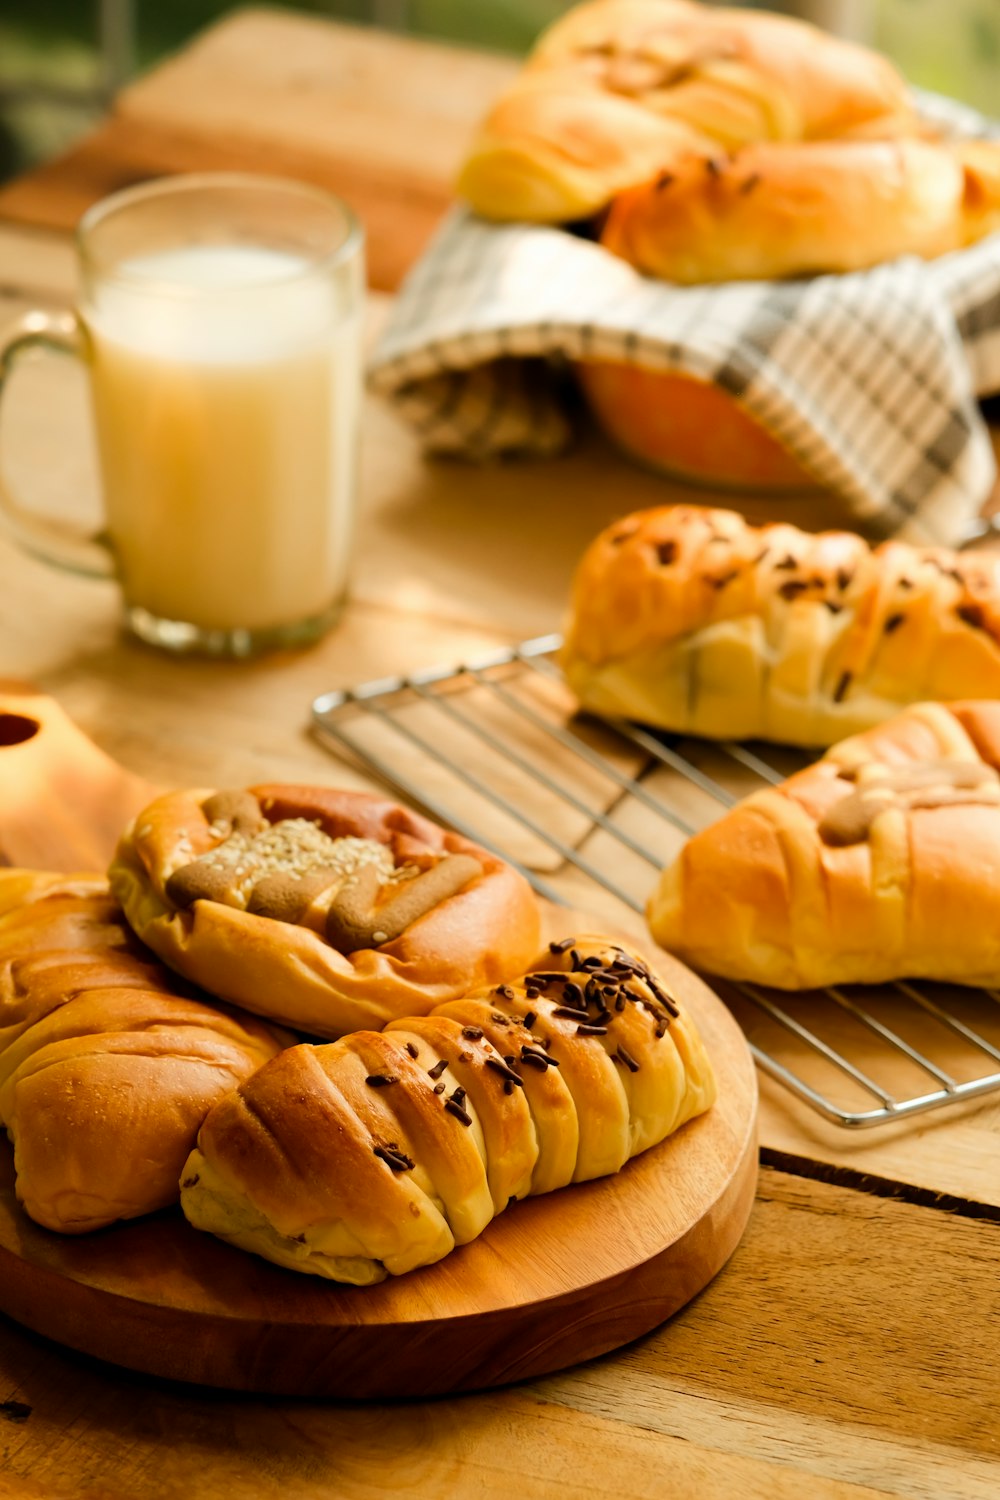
<point>381,1152</point>
<point>108,1064</point>
<point>879,862</point>
<point>693,620</point>
<point>614,89</point>
<point>775,210</point>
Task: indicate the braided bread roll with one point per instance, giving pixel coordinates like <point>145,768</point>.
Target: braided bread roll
<point>695,621</point>
<point>107,1064</point>
<point>880,861</point>
<point>615,88</point>
<point>381,1152</point>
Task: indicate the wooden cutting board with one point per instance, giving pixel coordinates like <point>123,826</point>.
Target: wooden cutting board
<point>552,1281</point>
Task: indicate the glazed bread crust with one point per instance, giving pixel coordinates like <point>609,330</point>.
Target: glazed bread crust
<point>286,966</point>
<point>381,1152</point>
<point>107,1066</point>
<point>695,621</point>
<point>770,211</point>
<point>792,888</point>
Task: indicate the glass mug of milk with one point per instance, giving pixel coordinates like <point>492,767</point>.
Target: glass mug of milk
<point>220,322</point>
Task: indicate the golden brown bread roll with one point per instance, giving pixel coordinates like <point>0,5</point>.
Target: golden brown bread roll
<point>614,88</point>
<point>107,1068</point>
<point>695,621</point>
<point>381,1152</point>
<point>774,210</point>
<point>880,861</point>
<point>326,910</point>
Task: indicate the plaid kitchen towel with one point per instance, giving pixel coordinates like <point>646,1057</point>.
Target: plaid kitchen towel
<point>869,379</point>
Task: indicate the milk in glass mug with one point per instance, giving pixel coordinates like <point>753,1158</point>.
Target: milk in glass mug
<point>220,323</point>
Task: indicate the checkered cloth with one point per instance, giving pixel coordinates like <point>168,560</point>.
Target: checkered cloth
<point>870,379</point>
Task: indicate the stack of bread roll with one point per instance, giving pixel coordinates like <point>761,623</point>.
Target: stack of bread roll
<point>158,1034</point>
<point>703,145</point>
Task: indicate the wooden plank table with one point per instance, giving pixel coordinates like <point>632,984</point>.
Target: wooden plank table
<point>850,1349</point>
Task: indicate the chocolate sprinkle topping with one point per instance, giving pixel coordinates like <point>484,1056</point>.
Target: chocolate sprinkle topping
<point>567,943</point>
<point>474,1033</point>
<point>394,1158</point>
<point>749,183</point>
<point>439,1088</point>
<point>627,1059</point>
<point>793,588</point>
<point>505,1070</point>
<point>591,1031</point>
<point>972,614</point>
<point>666,553</point>
<point>569,1012</point>
<point>536,1058</point>
<point>456,1109</point>
<point>412,1049</point>
<point>840,693</point>
<point>663,181</point>
<point>893,623</point>
<point>380,1080</point>
<point>438,1068</point>
<point>788,561</point>
<point>530,1020</point>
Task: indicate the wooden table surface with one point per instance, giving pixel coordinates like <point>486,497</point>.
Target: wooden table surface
<point>849,1350</point>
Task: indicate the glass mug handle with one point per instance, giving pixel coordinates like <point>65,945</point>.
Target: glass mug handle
<point>53,542</point>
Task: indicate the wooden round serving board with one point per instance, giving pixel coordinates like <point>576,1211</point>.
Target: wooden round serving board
<point>552,1281</point>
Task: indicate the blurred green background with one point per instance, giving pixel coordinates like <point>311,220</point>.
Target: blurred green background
<point>61,59</point>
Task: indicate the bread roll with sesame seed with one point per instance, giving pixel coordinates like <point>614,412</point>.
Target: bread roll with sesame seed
<point>383,1151</point>
<point>693,620</point>
<point>108,1065</point>
<point>326,910</point>
<point>881,861</point>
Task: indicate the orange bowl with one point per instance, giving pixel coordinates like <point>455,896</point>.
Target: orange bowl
<point>688,428</point>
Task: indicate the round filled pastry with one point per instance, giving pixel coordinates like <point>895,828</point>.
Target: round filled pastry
<point>327,910</point>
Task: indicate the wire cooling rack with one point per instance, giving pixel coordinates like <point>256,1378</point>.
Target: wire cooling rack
<point>590,812</point>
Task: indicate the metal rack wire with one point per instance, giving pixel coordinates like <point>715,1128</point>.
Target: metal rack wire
<point>586,809</point>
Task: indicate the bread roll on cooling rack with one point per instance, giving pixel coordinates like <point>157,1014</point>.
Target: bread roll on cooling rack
<point>107,1065</point>
<point>614,88</point>
<point>322,909</point>
<point>771,210</point>
<point>881,861</point>
<point>695,621</point>
<point>383,1151</point>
